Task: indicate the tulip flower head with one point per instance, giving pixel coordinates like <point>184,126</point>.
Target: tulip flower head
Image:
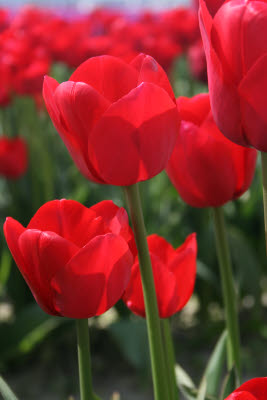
<point>76,260</point>
<point>207,169</point>
<point>237,66</point>
<point>174,275</point>
<point>13,157</point>
<point>255,389</point>
<point>119,121</point>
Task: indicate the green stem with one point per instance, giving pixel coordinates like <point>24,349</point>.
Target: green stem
<point>264,188</point>
<point>151,306</point>
<point>229,294</point>
<point>84,360</point>
<point>170,358</point>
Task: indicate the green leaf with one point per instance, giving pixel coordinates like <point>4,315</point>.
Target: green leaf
<point>5,390</point>
<point>229,384</point>
<point>131,338</point>
<point>5,267</point>
<point>214,369</point>
<point>185,383</point>
<point>202,390</point>
<point>30,327</point>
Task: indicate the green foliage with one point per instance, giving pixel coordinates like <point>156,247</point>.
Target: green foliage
<point>5,390</point>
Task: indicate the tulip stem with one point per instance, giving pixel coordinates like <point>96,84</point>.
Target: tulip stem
<point>159,374</point>
<point>229,293</point>
<point>84,360</point>
<point>264,187</point>
<point>169,358</point>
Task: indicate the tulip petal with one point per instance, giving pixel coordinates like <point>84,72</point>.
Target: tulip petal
<point>253,104</point>
<point>241,396</point>
<point>117,221</point>
<point>110,76</point>
<point>44,253</point>
<point>256,387</point>
<point>135,136</point>
<point>195,109</point>
<point>150,71</point>
<point>94,279</point>
<point>165,285</point>
<point>12,231</point>
<point>183,266</point>
<point>69,219</point>
<point>72,142</point>
<point>160,248</point>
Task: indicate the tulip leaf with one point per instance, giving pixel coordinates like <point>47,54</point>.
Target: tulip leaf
<point>188,388</point>
<point>229,384</point>
<point>30,327</point>
<point>5,268</point>
<point>214,369</point>
<point>131,338</point>
<point>185,383</point>
<point>202,390</point>
<point>5,390</point>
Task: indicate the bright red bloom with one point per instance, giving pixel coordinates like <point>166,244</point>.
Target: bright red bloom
<point>174,275</point>
<point>76,260</point>
<point>119,121</point>
<point>197,61</point>
<point>255,389</point>
<point>235,42</point>
<point>207,169</point>
<point>13,157</point>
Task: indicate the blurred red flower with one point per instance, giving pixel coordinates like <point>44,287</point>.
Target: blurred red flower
<point>174,275</point>
<point>119,121</point>
<point>235,42</point>
<point>207,169</point>
<point>255,389</point>
<point>13,157</point>
<point>76,260</point>
<point>197,61</point>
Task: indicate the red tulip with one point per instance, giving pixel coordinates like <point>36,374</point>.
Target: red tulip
<point>235,42</point>
<point>119,121</point>
<point>255,389</point>
<point>207,169</point>
<point>13,157</point>
<point>197,61</point>
<point>174,274</point>
<point>76,260</point>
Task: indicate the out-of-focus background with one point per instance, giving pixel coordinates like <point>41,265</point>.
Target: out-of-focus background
<point>38,352</point>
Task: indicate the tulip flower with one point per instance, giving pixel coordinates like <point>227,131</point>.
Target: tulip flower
<point>76,260</point>
<point>207,169</point>
<point>119,121</point>
<point>237,69</point>
<point>255,389</point>
<point>174,275</point>
<point>13,157</point>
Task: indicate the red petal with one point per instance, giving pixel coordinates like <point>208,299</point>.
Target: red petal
<point>257,387</point>
<point>254,116</point>
<point>150,71</point>
<point>135,136</point>
<point>116,220</point>
<point>241,396</point>
<point>110,76</point>
<point>183,267</point>
<point>44,253</point>
<point>165,285</point>
<point>69,219</point>
<point>94,279</point>
<point>12,231</point>
<point>72,142</point>
<point>194,109</point>
<point>159,247</point>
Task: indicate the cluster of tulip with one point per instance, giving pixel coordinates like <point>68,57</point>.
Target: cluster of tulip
<point>121,123</point>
